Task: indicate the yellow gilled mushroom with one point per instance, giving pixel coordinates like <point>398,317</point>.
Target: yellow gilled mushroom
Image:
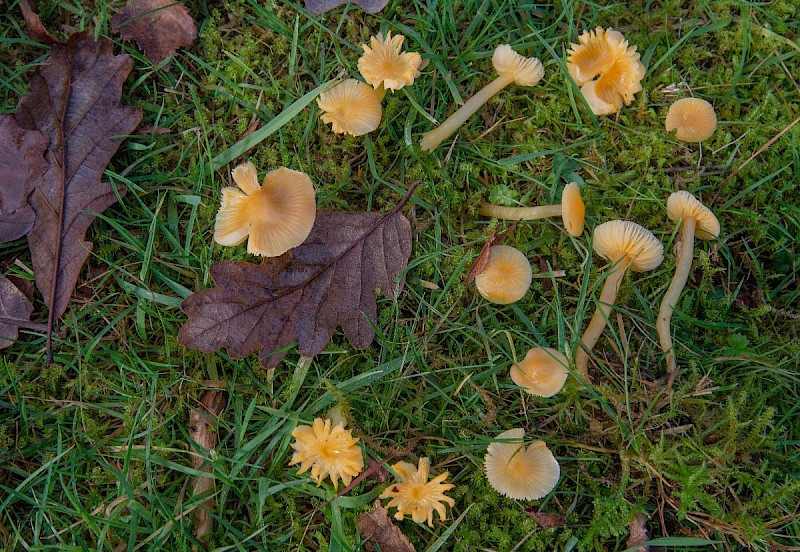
<point>384,66</point>
<point>276,216</point>
<point>543,372</point>
<point>626,245</point>
<point>696,220</point>
<point>351,107</point>
<point>605,54</point>
<point>520,472</point>
<point>511,68</point>
<point>572,210</point>
<point>694,119</point>
<point>506,277</point>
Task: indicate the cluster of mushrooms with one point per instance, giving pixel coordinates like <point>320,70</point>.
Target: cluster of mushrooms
<point>278,215</point>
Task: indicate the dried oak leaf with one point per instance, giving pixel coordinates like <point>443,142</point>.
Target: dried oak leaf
<point>639,534</point>
<point>21,164</point>
<point>321,6</point>
<point>302,296</point>
<point>75,101</point>
<point>35,27</point>
<point>375,526</point>
<point>15,312</point>
<point>159,27</point>
<point>203,431</point>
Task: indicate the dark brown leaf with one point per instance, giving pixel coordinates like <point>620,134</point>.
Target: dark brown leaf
<point>544,519</point>
<point>159,27</point>
<point>74,100</point>
<point>321,6</point>
<point>15,312</point>
<point>304,295</point>
<point>375,526</point>
<point>21,164</point>
<point>203,431</point>
<point>35,27</point>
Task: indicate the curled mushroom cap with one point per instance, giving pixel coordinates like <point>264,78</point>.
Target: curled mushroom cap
<point>543,372</point>
<point>694,119</point>
<point>683,204</point>
<point>520,472</point>
<point>351,107</point>
<point>605,54</point>
<point>383,63</point>
<point>524,71</point>
<point>276,216</point>
<point>328,450</point>
<point>626,241</point>
<point>506,277</point>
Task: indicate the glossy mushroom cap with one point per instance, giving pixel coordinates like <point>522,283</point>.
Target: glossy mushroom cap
<point>693,119</point>
<point>276,216</point>
<point>683,204</point>
<point>351,107</point>
<point>626,241</point>
<point>543,372</point>
<point>524,71</point>
<point>383,64</point>
<point>573,210</point>
<point>605,54</point>
<point>520,472</point>
<point>506,277</point>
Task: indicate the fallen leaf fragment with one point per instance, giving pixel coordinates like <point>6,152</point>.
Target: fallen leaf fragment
<point>15,312</point>
<point>75,101</point>
<point>203,431</point>
<point>546,520</point>
<point>639,534</point>
<point>35,27</point>
<point>376,527</point>
<point>159,27</point>
<point>21,164</point>
<point>321,6</point>
<point>305,294</point>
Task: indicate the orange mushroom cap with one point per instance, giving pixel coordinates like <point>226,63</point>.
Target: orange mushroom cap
<point>626,241</point>
<point>328,450</point>
<point>543,372</point>
<point>520,472</point>
<point>525,71</point>
<point>383,63</point>
<point>573,210</point>
<point>351,107</point>
<point>693,119</point>
<point>506,277</point>
<point>682,204</point>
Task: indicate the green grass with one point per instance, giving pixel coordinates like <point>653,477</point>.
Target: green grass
<point>94,450</point>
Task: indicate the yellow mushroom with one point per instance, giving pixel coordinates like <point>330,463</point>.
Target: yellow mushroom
<point>520,472</point>
<point>384,66</point>
<point>571,210</point>
<point>693,119</point>
<point>506,277</point>
<point>543,372</point>
<point>351,107</point>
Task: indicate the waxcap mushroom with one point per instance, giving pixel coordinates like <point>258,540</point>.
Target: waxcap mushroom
<point>351,107</point>
<point>525,71</point>
<point>542,372</point>
<point>693,119</point>
<point>571,209</point>
<point>276,216</point>
<point>520,472</point>
<point>329,450</point>
<point>506,277</point>
<point>623,240</point>
<point>383,64</point>
<point>683,204</point>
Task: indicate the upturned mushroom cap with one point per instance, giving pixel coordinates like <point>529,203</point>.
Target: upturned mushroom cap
<point>351,107</point>
<point>626,241</point>
<point>506,277</point>
<point>683,204</point>
<point>573,210</point>
<point>383,63</point>
<point>520,472</point>
<point>276,216</point>
<point>524,71</point>
<point>693,119</point>
<point>543,372</point>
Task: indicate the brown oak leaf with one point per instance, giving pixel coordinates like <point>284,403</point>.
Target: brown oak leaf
<point>321,6</point>
<point>375,526</point>
<point>35,27</point>
<point>75,101</point>
<point>159,27</point>
<point>21,164</point>
<point>302,296</point>
<point>15,312</point>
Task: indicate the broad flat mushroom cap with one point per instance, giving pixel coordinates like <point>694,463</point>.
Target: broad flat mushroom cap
<point>682,204</point>
<point>520,472</point>
<point>627,241</point>
<point>276,216</point>
<point>351,107</point>
<point>383,63</point>
<point>543,372</point>
<point>525,71</point>
<point>506,277</point>
<point>694,119</point>
<point>573,210</point>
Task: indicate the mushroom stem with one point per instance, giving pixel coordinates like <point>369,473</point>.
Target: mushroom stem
<point>432,139</point>
<point>598,322</point>
<point>682,267</point>
<point>519,213</point>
